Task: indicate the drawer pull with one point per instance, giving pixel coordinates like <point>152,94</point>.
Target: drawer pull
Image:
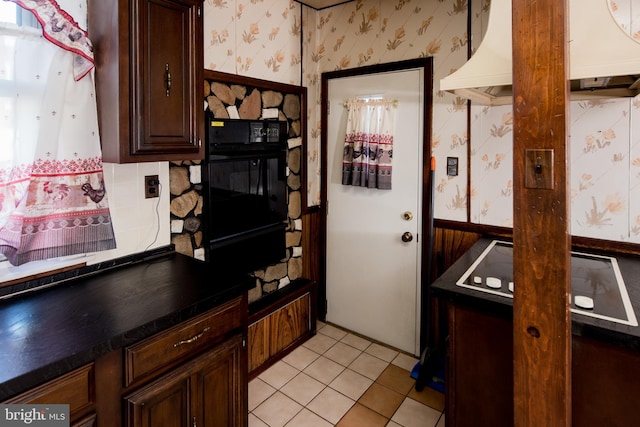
<point>192,339</point>
<point>167,78</point>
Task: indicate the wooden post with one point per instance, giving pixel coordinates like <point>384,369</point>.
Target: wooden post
<point>542,325</point>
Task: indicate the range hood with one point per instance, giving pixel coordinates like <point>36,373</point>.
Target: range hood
<point>604,61</point>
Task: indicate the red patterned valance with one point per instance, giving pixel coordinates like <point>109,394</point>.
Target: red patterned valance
<point>62,30</point>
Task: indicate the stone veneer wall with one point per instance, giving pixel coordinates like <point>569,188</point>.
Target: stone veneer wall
<point>186,186</point>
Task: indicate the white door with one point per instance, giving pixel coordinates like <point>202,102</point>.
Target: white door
<point>372,274</point>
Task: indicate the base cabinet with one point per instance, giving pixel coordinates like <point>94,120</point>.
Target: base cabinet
<point>479,383</point>
<point>193,374</point>
<point>204,392</point>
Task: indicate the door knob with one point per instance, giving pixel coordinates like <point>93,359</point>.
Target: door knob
<point>407,236</point>
<point>407,216</point>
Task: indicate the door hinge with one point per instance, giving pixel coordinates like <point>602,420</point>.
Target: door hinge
<point>199,12</point>
<point>328,107</point>
<point>244,342</point>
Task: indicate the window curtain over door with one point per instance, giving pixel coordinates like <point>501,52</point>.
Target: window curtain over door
<point>53,200</point>
<point>368,143</point>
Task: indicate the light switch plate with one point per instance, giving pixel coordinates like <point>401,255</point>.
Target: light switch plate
<point>452,166</point>
<point>538,168</point>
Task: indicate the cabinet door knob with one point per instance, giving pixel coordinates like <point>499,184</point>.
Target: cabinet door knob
<point>167,78</point>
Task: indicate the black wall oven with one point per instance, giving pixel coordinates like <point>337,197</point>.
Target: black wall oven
<point>245,194</point>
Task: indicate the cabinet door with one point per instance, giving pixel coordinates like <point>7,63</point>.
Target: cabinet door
<point>149,74</point>
<point>165,403</point>
<point>167,64</point>
<point>220,387</point>
<point>209,390</point>
<point>479,389</point>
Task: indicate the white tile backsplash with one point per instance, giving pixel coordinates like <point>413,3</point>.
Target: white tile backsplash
<point>139,223</point>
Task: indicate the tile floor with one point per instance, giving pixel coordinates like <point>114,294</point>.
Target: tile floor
<point>340,379</point>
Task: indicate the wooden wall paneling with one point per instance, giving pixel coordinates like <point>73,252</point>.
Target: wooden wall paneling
<point>542,323</point>
<point>449,245</point>
<point>310,245</point>
<point>289,323</point>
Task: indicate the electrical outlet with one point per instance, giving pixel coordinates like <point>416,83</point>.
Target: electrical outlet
<point>151,186</point>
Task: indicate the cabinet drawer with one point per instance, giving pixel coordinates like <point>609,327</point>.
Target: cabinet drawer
<point>181,341</point>
<point>75,389</point>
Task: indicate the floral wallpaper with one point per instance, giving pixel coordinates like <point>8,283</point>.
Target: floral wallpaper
<point>366,32</point>
<point>284,41</point>
<point>254,38</point>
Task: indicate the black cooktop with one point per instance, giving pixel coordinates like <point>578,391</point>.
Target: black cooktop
<point>597,287</point>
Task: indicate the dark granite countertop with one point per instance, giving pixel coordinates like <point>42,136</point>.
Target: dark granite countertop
<point>612,332</point>
<point>49,332</point>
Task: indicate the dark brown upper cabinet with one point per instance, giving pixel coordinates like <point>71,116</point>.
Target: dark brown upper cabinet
<point>149,73</point>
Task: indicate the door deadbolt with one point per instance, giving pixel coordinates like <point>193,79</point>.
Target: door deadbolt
<point>407,215</point>
<point>407,236</point>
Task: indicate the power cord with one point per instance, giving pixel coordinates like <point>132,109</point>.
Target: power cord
<point>155,239</point>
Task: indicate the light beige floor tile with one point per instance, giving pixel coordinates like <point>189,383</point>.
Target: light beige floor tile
<point>301,357</point>
<point>259,391</point>
<point>393,424</point>
<point>306,418</point>
<point>342,353</point>
<point>279,374</point>
<point>368,365</point>
<point>405,361</point>
<point>356,341</point>
<point>415,414</point>
<point>256,422</point>
<point>441,422</point>
<point>333,332</point>
<point>330,405</point>
<point>320,343</point>
<point>320,324</point>
<point>351,384</point>
<point>302,388</point>
<point>382,352</point>
<point>324,370</point>
<point>277,410</point>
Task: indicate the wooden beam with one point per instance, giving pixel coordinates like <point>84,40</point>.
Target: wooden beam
<point>542,326</point>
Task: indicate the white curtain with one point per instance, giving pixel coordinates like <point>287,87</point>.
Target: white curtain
<point>368,143</point>
<point>52,197</point>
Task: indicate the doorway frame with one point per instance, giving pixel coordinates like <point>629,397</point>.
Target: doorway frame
<point>426,64</point>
